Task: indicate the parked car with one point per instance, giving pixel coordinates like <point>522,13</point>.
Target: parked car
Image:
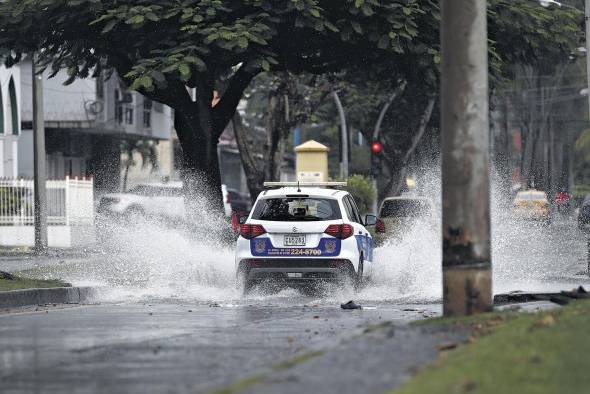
<point>150,200</point>
<point>532,205</point>
<point>304,235</point>
<point>397,214</point>
<point>584,214</point>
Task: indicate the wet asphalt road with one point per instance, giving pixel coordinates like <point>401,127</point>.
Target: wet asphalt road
<point>174,348</point>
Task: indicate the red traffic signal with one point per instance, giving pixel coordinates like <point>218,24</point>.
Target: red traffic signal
<point>376,147</point>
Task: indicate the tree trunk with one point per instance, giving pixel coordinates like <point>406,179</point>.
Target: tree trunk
<point>254,176</point>
<point>275,126</point>
<point>200,165</point>
<point>272,153</point>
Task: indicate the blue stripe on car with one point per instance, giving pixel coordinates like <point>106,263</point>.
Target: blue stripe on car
<point>328,247</point>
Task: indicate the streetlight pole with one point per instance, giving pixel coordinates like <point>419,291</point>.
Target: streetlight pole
<point>467,281</point>
<point>547,3</point>
<point>40,196</point>
<point>344,137</point>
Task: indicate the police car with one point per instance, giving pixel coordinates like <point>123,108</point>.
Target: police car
<point>300,233</point>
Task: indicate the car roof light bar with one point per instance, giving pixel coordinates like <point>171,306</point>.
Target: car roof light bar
<point>305,184</point>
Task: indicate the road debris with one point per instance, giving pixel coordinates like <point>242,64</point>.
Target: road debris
<point>561,298</point>
<point>446,346</point>
<point>351,305</point>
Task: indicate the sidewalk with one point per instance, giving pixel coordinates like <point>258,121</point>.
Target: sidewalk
<point>18,259</point>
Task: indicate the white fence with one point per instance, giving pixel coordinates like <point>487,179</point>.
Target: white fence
<point>69,202</point>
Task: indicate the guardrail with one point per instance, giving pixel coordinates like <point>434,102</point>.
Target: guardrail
<point>69,201</point>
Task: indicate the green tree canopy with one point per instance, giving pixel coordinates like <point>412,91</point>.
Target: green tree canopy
<point>163,47</point>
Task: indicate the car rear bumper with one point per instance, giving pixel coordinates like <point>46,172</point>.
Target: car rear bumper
<point>296,270</point>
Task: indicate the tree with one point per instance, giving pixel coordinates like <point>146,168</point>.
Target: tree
<point>162,47</point>
<point>275,104</point>
<point>147,150</point>
<point>520,32</point>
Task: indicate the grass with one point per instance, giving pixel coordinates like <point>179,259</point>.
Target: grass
<point>15,282</point>
<point>545,352</point>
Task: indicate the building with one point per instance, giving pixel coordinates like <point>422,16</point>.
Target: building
<point>87,125</point>
<point>10,132</point>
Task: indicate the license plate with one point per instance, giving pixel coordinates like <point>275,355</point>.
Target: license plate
<point>294,240</point>
<point>294,275</point>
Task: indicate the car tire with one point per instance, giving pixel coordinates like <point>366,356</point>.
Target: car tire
<point>247,287</point>
<point>244,284</point>
<point>359,279</point>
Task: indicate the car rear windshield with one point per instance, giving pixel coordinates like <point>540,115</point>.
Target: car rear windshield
<point>531,196</point>
<point>294,209</point>
<point>404,208</point>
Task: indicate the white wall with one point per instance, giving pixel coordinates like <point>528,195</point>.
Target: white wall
<point>57,236</point>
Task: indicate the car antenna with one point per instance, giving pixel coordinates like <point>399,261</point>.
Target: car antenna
<point>298,188</point>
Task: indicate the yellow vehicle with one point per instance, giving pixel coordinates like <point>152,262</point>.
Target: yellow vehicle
<point>532,205</point>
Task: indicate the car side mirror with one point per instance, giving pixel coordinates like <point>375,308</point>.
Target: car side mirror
<point>370,220</point>
<point>379,226</point>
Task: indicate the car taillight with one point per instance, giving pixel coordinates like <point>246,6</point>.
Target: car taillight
<point>380,226</point>
<point>340,231</point>
<point>250,231</point>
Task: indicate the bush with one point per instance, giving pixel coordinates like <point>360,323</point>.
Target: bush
<point>361,188</point>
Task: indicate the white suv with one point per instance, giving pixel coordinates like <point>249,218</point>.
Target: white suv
<point>299,235</point>
<point>154,200</point>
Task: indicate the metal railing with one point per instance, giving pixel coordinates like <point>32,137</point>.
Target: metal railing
<point>69,202</point>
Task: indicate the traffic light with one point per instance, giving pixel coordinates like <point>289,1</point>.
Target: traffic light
<point>376,152</point>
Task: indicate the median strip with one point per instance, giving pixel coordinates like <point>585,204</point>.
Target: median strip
<point>542,352</point>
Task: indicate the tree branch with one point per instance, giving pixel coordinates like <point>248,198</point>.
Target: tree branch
<point>395,93</point>
<point>426,115</point>
<point>240,134</point>
<point>226,107</point>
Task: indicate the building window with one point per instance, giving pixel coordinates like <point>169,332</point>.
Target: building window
<point>127,98</point>
<point>147,113</point>
<point>129,115</point>
<point>147,119</point>
<point>119,113</point>
<point>13,106</point>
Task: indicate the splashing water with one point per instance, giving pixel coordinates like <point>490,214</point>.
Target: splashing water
<point>153,260</point>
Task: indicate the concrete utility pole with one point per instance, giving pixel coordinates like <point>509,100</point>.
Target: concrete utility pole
<point>467,282</point>
<point>344,137</point>
<point>587,18</point>
<point>39,160</point>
